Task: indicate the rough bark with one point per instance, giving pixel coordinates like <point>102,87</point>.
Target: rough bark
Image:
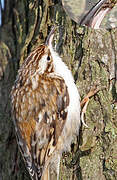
<point>92,57</point>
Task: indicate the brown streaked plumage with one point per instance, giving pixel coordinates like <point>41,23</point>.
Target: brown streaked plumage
<point>42,108</point>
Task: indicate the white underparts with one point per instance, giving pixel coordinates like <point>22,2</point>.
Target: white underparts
<point>72,124</point>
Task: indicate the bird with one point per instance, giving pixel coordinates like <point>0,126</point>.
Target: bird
<point>45,106</point>
<point>93,18</point>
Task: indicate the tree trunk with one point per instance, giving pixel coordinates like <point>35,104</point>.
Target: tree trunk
<point>92,57</point>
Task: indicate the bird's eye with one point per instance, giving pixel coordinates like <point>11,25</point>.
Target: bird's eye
<point>48,58</point>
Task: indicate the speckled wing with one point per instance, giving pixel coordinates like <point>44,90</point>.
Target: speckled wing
<point>39,114</point>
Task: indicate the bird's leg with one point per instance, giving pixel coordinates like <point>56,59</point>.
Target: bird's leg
<point>83,112</point>
<point>85,102</point>
<point>91,93</point>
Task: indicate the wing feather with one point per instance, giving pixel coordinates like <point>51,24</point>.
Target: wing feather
<point>40,115</point>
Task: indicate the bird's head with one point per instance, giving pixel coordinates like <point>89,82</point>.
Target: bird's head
<point>39,60</point>
<point>45,60</point>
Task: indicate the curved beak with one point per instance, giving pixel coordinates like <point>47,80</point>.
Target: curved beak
<point>50,37</point>
<point>96,14</point>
